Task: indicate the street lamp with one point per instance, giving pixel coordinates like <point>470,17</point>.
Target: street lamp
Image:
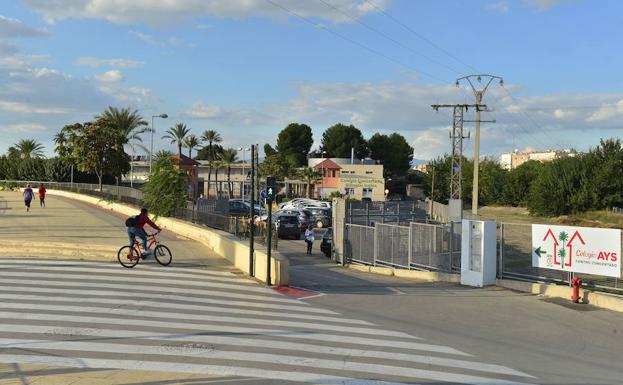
<point>244,176</point>
<point>151,145</point>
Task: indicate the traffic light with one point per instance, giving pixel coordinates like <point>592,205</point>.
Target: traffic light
<point>270,188</point>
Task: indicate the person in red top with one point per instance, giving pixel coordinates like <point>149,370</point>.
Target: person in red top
<point>137,230</point>
<point>42,191</point>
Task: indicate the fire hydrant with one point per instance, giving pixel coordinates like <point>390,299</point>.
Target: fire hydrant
<point>576,282</point>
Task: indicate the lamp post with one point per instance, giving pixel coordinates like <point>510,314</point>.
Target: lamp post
<point>244,176</point>
<point>151,144</point>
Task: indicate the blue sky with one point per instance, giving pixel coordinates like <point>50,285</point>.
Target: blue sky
<point>247,68</point>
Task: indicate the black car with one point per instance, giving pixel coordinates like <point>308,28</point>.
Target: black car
<point>320,217</point>
<point>239,209</point>
<point>326,245</point>
<point>287,225</point>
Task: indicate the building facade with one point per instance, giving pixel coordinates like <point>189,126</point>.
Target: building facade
<point>354,179</point>
<point>513,160</point>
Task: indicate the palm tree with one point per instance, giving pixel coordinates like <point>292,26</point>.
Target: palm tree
<point>129,122</point>
<point>177,134</point>
<point>228,157</point>
<point>191,142</point>
<point>162,154</point>
<point>310,176</point>
<point>212,137</point>
<point>216,164</point>
<point>29,148</point>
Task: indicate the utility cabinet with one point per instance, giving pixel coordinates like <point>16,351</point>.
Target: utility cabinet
<point>478,253</point>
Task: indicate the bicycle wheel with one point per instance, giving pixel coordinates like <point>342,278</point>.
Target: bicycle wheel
<point>163,255</point>
<point>128,256</point>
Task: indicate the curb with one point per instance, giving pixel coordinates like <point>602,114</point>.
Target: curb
<point>600,300</point>
<point>427,276</point>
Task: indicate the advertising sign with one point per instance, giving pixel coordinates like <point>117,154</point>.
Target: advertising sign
<point>577,249</point>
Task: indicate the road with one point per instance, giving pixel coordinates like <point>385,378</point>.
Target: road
<point>81,322</point>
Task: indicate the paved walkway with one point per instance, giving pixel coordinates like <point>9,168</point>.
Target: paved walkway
<point>208,325</point>
<point>70,229</point>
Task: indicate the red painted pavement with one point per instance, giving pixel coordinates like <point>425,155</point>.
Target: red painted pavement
<point>295,292</point>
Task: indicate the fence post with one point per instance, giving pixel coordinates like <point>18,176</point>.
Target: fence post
<point>451,244</point>
<point>383,212</point>
<point>410,253</point>
<point>501,259</point>
<point>367,214</point>
<point>398,212</point>
<point>376,245</point>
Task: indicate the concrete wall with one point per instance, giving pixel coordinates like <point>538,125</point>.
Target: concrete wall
<point>223,244</point>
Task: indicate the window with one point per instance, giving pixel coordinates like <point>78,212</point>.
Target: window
<point>367,192</point>
<point>349,191</point>
<point>368,172</point>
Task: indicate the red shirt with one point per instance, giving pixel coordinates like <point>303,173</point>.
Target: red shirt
<point>143,219</point>
<point>42,192</point>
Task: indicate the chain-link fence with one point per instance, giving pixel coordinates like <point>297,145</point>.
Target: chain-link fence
<point>417,246</point>
<point>515,261</point>
<point>359,242</point>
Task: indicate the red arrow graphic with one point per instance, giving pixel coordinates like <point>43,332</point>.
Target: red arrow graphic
<point>556,244</point>
<point>570,246</point>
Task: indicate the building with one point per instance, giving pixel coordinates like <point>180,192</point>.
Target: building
<point>422,167</point>
<point>355,179</point>
<point>515,159</point>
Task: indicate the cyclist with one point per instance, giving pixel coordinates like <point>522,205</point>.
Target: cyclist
<point>135,228</point>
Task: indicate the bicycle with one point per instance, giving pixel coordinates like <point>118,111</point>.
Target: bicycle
<point>130,256</point>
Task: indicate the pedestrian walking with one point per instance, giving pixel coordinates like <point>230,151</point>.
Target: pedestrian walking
<point>42,191</point>
<point>309,239</point>
<point>28,194</point>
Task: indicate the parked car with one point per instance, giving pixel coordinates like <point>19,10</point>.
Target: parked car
<point>320,217</point>
<point>305,216</point>
<point>326,245</point>
<point>239,209</point>
<point>287,225</point>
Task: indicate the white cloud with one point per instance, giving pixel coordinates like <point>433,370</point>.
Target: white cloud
<point>167,42</point>
<point>607,111</point>
<point>26,108</point>
<point>158,12</point>
<point>114,63</point>
<point>229,117</point>
<point>544,5</point>
<point>202,26</point>
<point>500,7</point>
<point>10,28</point>
<point>112,76</point>
<point>23,128</point>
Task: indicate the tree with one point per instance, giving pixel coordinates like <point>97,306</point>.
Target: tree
<point>278,165</point>
<point>606,174</point>
<point>393,152</point>
<point>216,164</point>
<point>228,157</point>
<point>338,140</point>
<point>311,176</point>
<point>296,139</point>
<point>177,134</point>
<point>190,143</point>
<point>94,147</point>
<point>166,187</point>
<point>519,181</point>
<point>269,150</point>
<point>27,149</point>
<point>209,152</point>
<point>129,122</point>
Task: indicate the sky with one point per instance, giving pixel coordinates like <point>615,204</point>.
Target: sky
<point>247,68</point>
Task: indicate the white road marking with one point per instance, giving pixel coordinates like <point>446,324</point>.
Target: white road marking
<point>273,344</point>
<point>208,353</point>
<point>210,328</point>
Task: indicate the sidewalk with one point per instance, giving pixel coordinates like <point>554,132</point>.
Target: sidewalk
<point>70,229</point>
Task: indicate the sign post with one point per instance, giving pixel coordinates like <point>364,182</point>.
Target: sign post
<point>585,250</point>
<point>251,220</point>
<point>270,195</point>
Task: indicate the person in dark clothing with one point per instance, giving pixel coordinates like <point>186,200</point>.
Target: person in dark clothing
<point>137,230</point>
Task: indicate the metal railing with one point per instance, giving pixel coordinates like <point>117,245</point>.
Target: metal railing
<point>417,246</point>
<point>368,213</point>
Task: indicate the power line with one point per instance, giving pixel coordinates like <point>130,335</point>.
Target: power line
<point>386,36</point>
<point>352,41</point>
<point>424,38</point>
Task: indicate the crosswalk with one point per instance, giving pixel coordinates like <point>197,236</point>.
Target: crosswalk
<point>99,315</point>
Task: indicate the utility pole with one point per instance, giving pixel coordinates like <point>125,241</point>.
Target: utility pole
<point>456,138</point>
<point>251,219</point>
<point>479,92</point>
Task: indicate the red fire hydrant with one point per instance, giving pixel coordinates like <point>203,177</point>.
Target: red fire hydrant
<point>576,282</point>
